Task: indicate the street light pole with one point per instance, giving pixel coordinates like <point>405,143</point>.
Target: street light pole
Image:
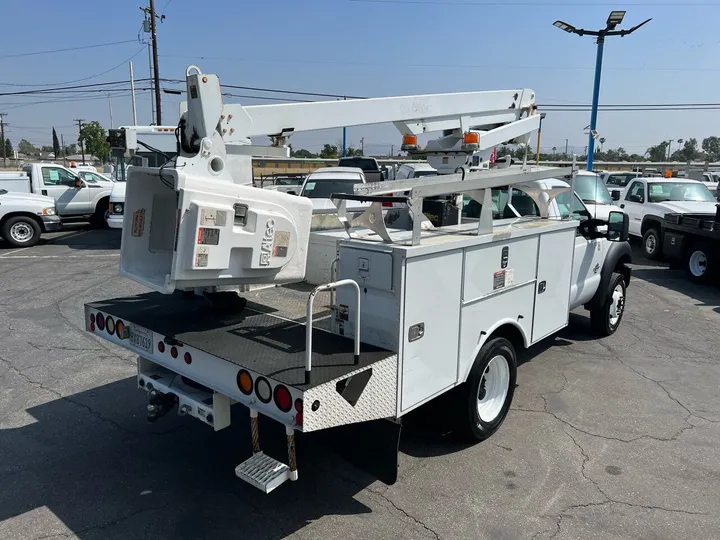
<point>615,18</point>
<point>596,97</point>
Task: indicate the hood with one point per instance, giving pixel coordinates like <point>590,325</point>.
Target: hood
<point>690,207</point>
<point>29,198</point>
<point>326,206</point>
<point>602,211</point>
<point>118,192</point>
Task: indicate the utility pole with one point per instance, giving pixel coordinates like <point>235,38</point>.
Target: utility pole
<point>362,146</point>
<point>110,104</point>
<point>669,147</point>
<point>392,150</point>
<point>150,13</point>
<point>132,94</point>
<point>344,142</point>
<point>62,148</point>
<point>2,137</point>
<point>82,147</point>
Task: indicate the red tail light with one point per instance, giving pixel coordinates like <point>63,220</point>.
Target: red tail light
<point>299,419</point>
<point>299,405</point>
<point>386,204</point>
<point>283,399</point>
<point>100,321</point>
<point>92,326</point>
<point>161,347</point>
<point>174,352</point>
<point>188,358</point>
<point>92,318</point>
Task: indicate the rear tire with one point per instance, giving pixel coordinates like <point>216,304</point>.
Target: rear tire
<point>701,262</point>
<point>484,400</point>
<point>21,231</point>
<point>606,319</point>
<point>100,217</point>
<point>652,244</point>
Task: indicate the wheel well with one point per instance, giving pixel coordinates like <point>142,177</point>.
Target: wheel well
<point>24,214</point>
<point>650,223</point>
<point>622,268</point>
<point>512,333</point>
<point>105,201</point>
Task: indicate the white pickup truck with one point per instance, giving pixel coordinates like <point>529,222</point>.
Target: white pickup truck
<point>74,196</point>
<point>24,216</point>
<point>647,200</point>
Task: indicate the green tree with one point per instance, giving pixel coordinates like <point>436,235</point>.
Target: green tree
<point>350,152</point>
<point>26,147</point>
<point>8,148</point>
<point>56,144</point>
<point>94,138</point>
<point>329,151</point>
<point>658,152</point>
<point>302,153</point>
<point>46,148</point>
<point>711,145</point>
<point>71,149</point>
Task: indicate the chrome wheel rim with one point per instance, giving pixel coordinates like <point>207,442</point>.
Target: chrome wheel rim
<point>650,244</point>
<point>22,232</point>
<point>493,390</point>
<point>618,304</point>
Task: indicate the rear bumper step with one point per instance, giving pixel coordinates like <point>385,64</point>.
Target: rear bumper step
<point>264,472</point>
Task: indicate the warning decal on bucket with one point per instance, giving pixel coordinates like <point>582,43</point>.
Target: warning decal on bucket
<point>138,223</point>
<point>209,236</point>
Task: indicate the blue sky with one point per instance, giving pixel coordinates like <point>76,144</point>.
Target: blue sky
<point>376,49</point>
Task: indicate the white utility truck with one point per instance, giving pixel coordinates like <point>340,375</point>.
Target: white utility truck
<point>416,313</point>
<point>24,216</point>
<point>75,197</point>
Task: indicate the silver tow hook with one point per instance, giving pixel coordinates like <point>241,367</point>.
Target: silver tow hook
<point>159,404</point>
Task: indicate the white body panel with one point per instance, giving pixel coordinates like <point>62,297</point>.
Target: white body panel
<point>115,220</point>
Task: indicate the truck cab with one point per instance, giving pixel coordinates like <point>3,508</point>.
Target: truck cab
<point>75,197</point>
<point>647,200</point>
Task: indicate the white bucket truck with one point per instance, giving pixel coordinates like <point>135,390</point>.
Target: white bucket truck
<point>416,313</point>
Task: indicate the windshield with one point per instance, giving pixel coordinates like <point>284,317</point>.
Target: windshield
<point>325,188</point>
<point>289,182</point>
<point>679,191</point>
<point>591,189</point>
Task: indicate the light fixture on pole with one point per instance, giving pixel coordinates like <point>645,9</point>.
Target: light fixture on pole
<point>614,19</point>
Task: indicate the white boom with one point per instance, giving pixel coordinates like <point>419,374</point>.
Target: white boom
<point>192,223</point>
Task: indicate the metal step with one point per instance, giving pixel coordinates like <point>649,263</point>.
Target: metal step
<point>263,472</point>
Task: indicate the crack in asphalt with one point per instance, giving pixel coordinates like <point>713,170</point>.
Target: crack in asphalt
<point>102,525</point>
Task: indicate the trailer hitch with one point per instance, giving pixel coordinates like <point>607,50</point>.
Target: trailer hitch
<point>159,404</point>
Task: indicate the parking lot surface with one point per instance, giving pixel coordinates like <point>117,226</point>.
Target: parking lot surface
<point>612,438</point>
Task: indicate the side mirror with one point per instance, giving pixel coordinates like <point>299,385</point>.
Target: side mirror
<point>615,194</point>
<point>78,183</point>
<point>635,198</point>
<point>617,229</point>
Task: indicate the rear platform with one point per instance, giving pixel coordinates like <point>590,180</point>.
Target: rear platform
<point>181,334</point>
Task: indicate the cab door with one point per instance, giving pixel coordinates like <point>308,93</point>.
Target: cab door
<point>634,205</point>
<point>60,184</point>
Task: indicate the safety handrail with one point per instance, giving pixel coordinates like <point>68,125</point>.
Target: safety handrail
<point>309,321</point>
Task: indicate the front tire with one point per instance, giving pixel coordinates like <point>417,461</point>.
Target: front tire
<point>100,217</point>
<point>486,396</point>
<point>21,231</point>
<point>652,244</point>
<point>700,264</point>
<point>606,319</point>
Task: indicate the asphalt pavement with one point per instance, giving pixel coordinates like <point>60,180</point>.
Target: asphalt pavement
<point>612,438</point>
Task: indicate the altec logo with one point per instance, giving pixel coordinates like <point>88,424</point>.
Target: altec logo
<point>267,243</point>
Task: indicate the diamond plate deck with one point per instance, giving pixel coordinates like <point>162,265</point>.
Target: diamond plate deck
<point>263,472</point>
<point>260,338</point>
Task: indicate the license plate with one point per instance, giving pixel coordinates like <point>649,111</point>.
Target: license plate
<point>141,338</point>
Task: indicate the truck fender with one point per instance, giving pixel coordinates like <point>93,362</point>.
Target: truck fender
<point>618,256</point>
<point>650,221</point>
<point>507,328</point>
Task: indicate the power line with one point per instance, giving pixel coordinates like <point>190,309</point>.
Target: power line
<point>533,4</point>
<point>78,80</point>
<point>74,87</point>
<point>68,49</point>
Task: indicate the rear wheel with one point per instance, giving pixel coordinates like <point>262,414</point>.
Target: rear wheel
<point>21,231</point>
<point>606,319</point>
<point>652,246</point>
<point>100,217</point>
<point>484,400</point>
<point>700,263</point>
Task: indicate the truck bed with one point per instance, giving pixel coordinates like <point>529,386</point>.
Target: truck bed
<point>700,224</point>
<point>268,336</point>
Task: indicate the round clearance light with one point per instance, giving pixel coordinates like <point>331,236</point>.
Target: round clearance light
<point>174,352</point>
<point>110,325</point>
<point>299,419</point>
<point>120,329</point>
<point>100,321</point>
<point>92,318</point>
<point>283,399</point>
<point>244,382</point>
<point>161,346</point>
<point>188,358</point>
<point>263,390</point>
<point>92,326</point>
<point>299,405</point>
